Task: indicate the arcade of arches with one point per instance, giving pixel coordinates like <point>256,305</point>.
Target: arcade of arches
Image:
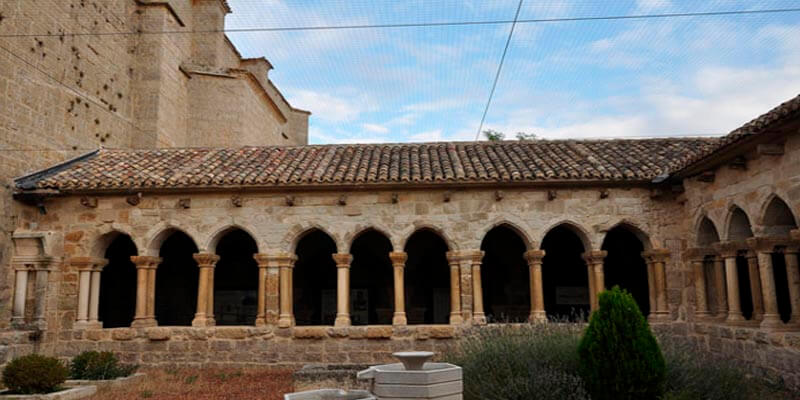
<point>372,284</point>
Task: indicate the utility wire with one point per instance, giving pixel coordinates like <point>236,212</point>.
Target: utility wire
<point>499,69</point>
<point>415,24</point>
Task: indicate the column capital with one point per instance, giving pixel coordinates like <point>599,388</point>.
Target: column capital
<point>87,263</point>
<point>474,256</point>
<point>656,255</point>
<point>398,258</point>
<point>698,253</point>
<point>766,244</point>
<point>342,260</point>
<point>275,260</point>
<point>729,249</point>
<point>594,256</point>
<point>31,263</point>
<point>205,260</point>
<point>795,234</point>
<point>146,262</point>
<point>534,256</point>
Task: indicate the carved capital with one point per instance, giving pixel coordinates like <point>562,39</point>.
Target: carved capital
<point>767,244</point>
<point>206,260</point>
<point>698,253</point>
<point>275,260</point>
<point>342,260</point>
<point>146,262</point>
<point>398,258</point>
<point>729,249</point>
<point>87,263</point>
<point>656,255</point>
<point>31,263</point>
<point>594,256</point>
<point>534,256</point>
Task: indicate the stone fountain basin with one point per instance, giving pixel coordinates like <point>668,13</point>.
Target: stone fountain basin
<point>432,373</point>
<point>330,394</point>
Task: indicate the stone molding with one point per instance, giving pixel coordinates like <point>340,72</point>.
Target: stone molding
<point>87,263</point>
<point>698,253</point>
<point>206,260</point>
<point>32,263</point>
<point>594,256</point>
<point>534,256</point>
<point>146,262</point>
<point>730,249</point>
<point>767,244</point>
<point>656,255</point>
<point>342,260</point>
<point>398,258</point>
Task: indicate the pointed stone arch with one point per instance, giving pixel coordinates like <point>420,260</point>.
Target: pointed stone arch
<point>623,264</point>
<point>636,230</point>
<point>565,278</point>
<point>350,238</point>
<point>101,242</point>
<point>212,240</point>
<point>418,227</point>
<point>576,228</point>
<point>513,223</point>
<point>314,277</point>
<point>297,232</point>
<point>427,273</point>
<point>156,236</point>
<point>706,232</point>
<point>737,226</point>
<point>505,275</point>
<point>776,216</point>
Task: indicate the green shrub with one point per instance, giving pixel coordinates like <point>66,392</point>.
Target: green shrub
<point>34,374</point>
<point>619,356</point>
<point>95,365</point>
<point>516,362</point>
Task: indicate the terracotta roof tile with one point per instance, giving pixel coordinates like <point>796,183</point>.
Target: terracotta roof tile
<point>371,164</point>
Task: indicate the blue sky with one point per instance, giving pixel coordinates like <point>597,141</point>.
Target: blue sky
<point>584,79</point>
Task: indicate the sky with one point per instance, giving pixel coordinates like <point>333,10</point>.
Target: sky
<point>683,76</point>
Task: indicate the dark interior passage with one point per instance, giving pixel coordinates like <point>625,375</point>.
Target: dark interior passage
<point>625,267</point>
<point>118,284</point>
<point>427,278</point>
<point>315,280</point>
<point>236,280</point>
<point>565,278</point>
<point>781,286</point>
<point>745,290</point>
<point>176,281</point>
<point>505,276</point>
<point>371,280</point>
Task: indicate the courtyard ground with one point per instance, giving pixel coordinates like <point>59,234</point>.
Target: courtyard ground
<point>204,384</point>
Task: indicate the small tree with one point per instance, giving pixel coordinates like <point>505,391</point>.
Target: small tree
<point>493,135</point>
<point>34,374</point>
<point>619,356</point>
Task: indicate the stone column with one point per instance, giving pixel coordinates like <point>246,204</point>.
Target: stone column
<point>793,279</point>
<point>534,258</point>
<point>89,269</point>
<point>659,258</point>
<point>205,292</point>
<point>478,314</point>
<point>343,261</point>
<point>764,249</point>
<point>286,316</point>
<point>263,264</point>
<point>145,290</point>
<point>42,271</point>
<point>719,286</point>
<point>454,259</point>
<point>696,257</point>
<point>732,280</point>
<point>20,293</point>
<point>755,285</point>
<point>594,263</point>
<point>651,286</point>
<point>399,265</point>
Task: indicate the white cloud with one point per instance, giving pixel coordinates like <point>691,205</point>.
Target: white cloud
<point>375,128</point>
<point>332,108</point>
<point>652,5</point>
<point>435,105</point>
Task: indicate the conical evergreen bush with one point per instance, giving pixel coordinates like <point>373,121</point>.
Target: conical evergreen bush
<point>619,356</point>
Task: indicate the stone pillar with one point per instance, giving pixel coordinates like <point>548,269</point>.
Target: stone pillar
<point>343,261</point>
<point>594,264</point>
<point>534,258</point>
<point>20,293</point>
<point>261,312</point>
<point>651,286</point>
<point>145,290</point>
<point>732,280</point>
<point>94,298</point>
<point>399,265</point>
<point>205,292</point>
<point>286,265</point>
<point>763,249</point>
<point>658,258</point>
<point>755,285</point>
<point>454,259</point>
<point>89,269</point>
<point>696,257</point>
<point>793,279</point>
<point>478,314</point>
<point>719,286</point>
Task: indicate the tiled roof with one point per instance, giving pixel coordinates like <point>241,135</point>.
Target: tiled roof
<point>371,164</point>
<point>783,112</point>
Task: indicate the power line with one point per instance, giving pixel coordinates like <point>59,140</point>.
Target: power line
<point>415,24</point>
<point>499,69</point>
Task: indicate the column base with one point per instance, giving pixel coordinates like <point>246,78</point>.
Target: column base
<point>88,325</point>
<point>737,318</point>
<point>144,323</point>
<point>261,321</point>
<point>771,322</point>
<point>455,319</point>
<point>342,320</point>
<point>203,321</point>
<point>399,318</point>
<point>537,317</point>
<point>285,321</point>
<point>702,316</point>
<point>479,319</point>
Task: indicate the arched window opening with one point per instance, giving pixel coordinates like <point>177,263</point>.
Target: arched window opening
<point>625,267</point>
<point>745,286</point>
<point>236,280</point>
<point>781,285</point>
<point>428,276</point>
<point>707,233</point>
<point>778,218</point>
<point>117,303</point>
<point>315,280</point>
<point>505,276</point>
<point>739,226</point>
<point>176,281</point>
<point>371,280</point>
<point>564,275</point>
